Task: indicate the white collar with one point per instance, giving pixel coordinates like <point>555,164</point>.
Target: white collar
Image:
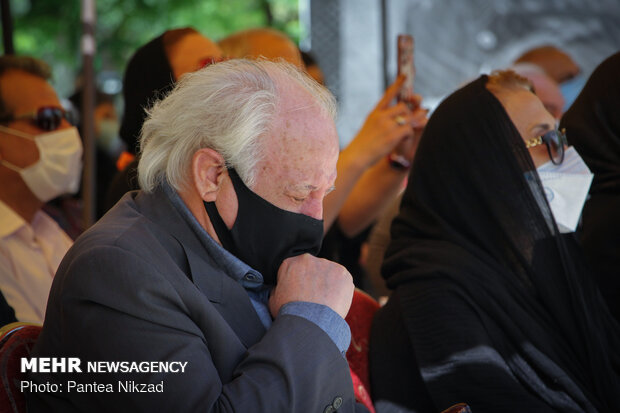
<point>10,221</point>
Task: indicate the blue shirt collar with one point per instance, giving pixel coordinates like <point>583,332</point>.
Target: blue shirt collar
<point>233,266</point>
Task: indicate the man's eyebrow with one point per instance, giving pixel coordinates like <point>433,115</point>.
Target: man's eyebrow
<point>310,187</point>
<point>302,187</point>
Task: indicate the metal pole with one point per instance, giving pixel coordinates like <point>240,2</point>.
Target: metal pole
<point>7,28</point>
<point>88,109</point>
<point>384,40</point>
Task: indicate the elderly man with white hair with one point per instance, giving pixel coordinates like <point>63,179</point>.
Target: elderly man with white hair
<point>207,274</point>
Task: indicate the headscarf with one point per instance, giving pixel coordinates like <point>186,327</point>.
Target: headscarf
<point>593,127</point>
<point>474,213</point>
<point>148,76</point>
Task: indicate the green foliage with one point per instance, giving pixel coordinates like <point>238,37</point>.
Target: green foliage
<point>51,29</point>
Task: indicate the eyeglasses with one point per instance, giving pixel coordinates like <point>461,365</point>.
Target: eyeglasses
<point>47,118</point>
<point>555,141</point>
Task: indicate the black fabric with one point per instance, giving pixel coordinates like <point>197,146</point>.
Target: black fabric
<point>395,377</point>
<point>222,231</point>
<point>475,249</point>
<point>7,314</point>
<point>264,235</point>
<point>593,127</point>
<point>148,76</point>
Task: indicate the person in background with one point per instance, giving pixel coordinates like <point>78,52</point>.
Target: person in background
<point>150,74</point>
<point>560,67</point>
<point>547,90</point>
<point>153,70</point>
<point>40,159</point>
<point>492,305</point>
<point>261,42</point>
<point>368,181</point>
<point>107,124</point>
<point>549,93</point>
<point>312,68</point>
<point>211,264</point>
<point>377,243</point>
<point>108,145</point>
<point>593,126</point>
<point>67,210</point>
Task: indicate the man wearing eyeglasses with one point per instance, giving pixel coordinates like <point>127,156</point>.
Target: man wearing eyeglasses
<point>40,159</point>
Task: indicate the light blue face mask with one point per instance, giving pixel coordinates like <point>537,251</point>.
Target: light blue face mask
<point>571,89</point>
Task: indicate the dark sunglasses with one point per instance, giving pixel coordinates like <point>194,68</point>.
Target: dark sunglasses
<point>555,141</point>
<point>47,118</point>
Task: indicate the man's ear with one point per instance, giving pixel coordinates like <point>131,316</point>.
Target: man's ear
<point>208,170</point>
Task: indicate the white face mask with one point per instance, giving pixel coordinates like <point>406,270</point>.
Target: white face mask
<point>59,166</point>
<point>566,187</point>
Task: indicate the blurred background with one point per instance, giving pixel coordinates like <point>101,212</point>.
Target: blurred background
<point>352,40</point>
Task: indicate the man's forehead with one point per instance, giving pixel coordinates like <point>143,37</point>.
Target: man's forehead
<point>301,126</point>
<point>298,141</point>
<point>298,144</point>
<point>25,91</point>
<point>299,115</point>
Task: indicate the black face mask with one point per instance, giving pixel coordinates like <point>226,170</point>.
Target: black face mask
<point>264,235</point>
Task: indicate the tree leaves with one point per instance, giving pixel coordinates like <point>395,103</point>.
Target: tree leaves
<point>51,30</point>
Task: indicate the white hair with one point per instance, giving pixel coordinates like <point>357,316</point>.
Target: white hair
<point>227,107</point>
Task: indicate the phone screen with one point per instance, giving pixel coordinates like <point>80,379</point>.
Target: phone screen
<point>405,66</point>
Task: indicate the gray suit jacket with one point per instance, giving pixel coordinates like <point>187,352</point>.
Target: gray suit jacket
<point>139,286</point>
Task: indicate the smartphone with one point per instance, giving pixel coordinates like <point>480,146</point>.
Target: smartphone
<point>398,157</point>
<point>406,67</point>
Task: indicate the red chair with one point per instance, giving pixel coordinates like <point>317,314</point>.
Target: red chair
<point>16,341</point>
<point>359,318</point>
<point>458,408</point>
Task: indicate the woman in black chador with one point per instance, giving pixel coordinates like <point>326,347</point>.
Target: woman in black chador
<point>492,305</point>
<point>593,127</point>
